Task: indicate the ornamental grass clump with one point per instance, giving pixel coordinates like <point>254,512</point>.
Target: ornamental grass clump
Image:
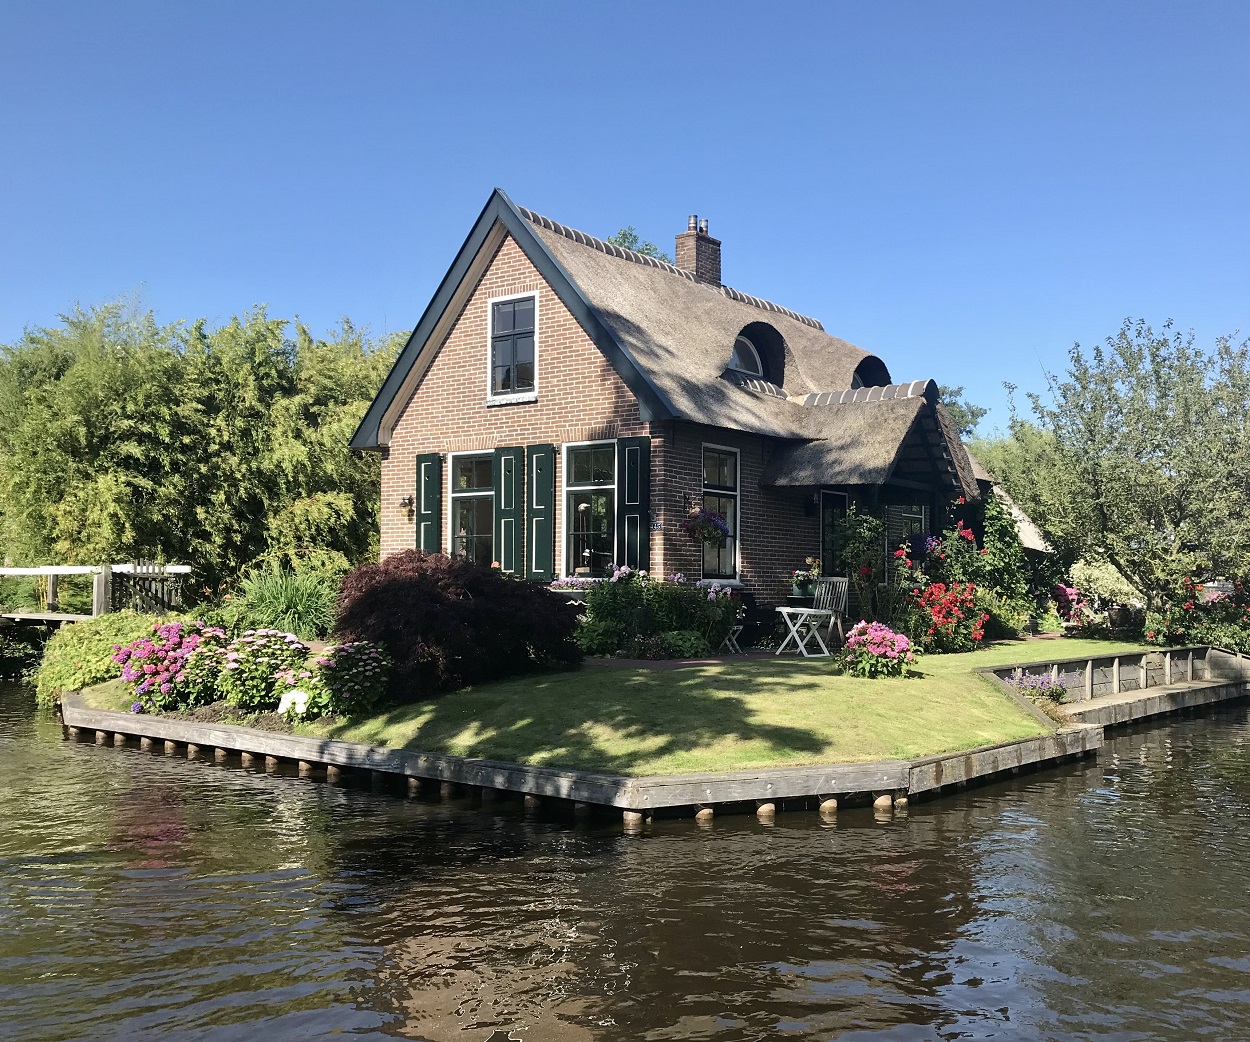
<point>251,664</point>
<point>874,650</point>
<point>156,664</point>
<point>342,680</point>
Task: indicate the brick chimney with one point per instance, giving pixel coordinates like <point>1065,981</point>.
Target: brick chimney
<point>698,253</point>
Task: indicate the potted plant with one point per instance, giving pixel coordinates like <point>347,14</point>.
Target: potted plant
<point>704,526</point>
<point>803,580</point>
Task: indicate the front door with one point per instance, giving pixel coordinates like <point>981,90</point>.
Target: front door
<point>832,507</point>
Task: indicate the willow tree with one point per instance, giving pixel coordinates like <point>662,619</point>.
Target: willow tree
<point>1151,435</point>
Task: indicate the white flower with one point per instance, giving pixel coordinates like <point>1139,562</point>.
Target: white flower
<point>294,701</point>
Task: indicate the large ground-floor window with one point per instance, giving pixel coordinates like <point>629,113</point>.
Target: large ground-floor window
<point>473,508</point>
<point>590,511</point>
<point>720,496</point>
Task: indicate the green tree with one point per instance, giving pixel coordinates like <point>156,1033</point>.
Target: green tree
<point>1027,463</point>
<point>628,239</point>
<point>965,414</point>
<point>1151,435</point>
<point>124,438</point>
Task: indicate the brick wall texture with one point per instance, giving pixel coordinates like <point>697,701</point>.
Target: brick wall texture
<point>581,398</point>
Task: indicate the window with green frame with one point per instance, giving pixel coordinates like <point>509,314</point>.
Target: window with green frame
<point>590,509</point>
<point>720,496</point>
<point>473,508</point>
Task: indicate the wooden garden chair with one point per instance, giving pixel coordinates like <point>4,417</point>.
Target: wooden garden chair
<point>831,596</point>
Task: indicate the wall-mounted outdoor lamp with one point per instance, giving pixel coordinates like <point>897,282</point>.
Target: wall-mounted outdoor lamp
<point>409,504</point>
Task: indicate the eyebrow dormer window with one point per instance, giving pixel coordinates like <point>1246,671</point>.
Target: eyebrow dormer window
<point>745,358</point>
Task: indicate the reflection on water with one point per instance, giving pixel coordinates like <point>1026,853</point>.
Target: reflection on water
<point>145,898</point>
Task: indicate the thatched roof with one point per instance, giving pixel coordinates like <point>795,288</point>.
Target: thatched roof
<point>909,437</point>
<point>1029,534</point>
<point>670,337</point>
<point>681,333</point>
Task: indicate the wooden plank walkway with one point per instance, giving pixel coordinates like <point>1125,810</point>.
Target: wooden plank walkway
<point>1129,706</point>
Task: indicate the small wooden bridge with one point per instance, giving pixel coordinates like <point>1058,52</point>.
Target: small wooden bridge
<point>140,585</point>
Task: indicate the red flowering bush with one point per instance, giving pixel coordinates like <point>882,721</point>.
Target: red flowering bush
<point>948,617</point>
<point>447,622</point>
<point>1200,615</point>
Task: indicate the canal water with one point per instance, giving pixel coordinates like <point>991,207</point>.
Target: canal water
<point>145,898</point>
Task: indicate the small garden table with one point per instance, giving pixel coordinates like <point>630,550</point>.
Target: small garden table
<point>804,624</point>
<point>730,643</point>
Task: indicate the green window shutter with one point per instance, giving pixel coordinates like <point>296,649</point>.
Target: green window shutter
<point>429,505</point>
<point>510,509</point>
<point>540,537</point>
<point>633,502</point>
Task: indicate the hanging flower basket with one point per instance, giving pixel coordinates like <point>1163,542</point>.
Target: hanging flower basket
<point>703,526</point>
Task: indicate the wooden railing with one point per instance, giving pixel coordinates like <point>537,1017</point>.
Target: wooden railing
<point>1086,678</point>
<point>143,586</point>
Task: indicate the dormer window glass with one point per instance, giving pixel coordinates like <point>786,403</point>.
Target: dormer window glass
<point>512,347</point>
<point>745,358</point>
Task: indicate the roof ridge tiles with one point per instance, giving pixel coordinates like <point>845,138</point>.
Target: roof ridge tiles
<point>857,395</point>
<point>612,250</point>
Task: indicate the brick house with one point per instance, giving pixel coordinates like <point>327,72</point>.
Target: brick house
<point>563,404</point>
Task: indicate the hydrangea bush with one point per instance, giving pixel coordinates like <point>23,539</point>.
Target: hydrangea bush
<point>197,686</point>
<point>251,664</point>
<point>342,680</point>
<point>156,665</point>
<point>874,650</point>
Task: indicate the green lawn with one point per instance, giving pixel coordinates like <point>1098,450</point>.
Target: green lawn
<point>757,713</point>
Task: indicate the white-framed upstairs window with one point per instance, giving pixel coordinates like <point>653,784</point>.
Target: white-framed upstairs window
<point>471,506</point>
<point>512,354</point>
<point>721,493</point>
<point>590,508</point>
<point>745,358</point>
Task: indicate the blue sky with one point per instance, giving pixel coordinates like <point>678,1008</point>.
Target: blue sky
<point>964,188</point>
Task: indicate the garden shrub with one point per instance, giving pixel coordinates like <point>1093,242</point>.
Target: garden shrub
<point>153,664</point>
<point>252,662</point>
<point>342,680</point>
<point>599,636</point>
<point>671,644</point>
<point>950,621</point>
<point>201,672</point>
<point>872,649</point>
<point>1039,685</point>
<point>625,612</point>
<point>81,654</point>
<point>1197,617</point>
<point>447,622</point>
